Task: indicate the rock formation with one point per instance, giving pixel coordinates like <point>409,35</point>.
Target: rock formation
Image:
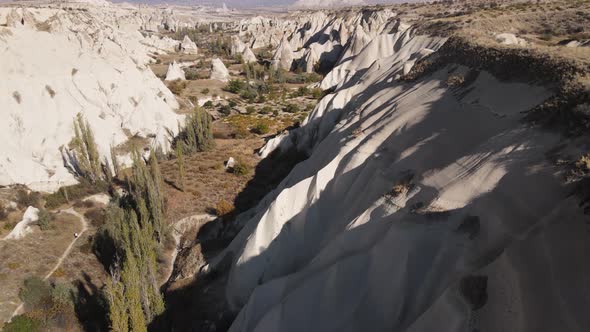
<point>417,201</point>
<point>81,64</point>
<point>248,55</point>
<point>174,72</point>
<point>219,71</point>
<point>188,46</point>
<point>237,46</point>
<point>283,57</point>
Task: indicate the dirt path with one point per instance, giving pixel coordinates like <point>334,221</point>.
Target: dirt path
<point>64,255</point>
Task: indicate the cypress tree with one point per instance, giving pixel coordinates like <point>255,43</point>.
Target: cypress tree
<point>180,163</point>
<point>117,303</point>
<point>114,161</point>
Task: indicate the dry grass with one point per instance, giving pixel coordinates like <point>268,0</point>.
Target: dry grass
<point>35,254</point>
<point>206,181</point>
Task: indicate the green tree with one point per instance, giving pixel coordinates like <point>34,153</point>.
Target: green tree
<point>180,163</point>
<point>85,150</point>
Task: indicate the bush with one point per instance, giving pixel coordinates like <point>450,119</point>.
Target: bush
<point>45,218</point>
<point>25,198</point>
<point>266,110</point>
<point>250,109</point>
<point>36,293</point>
<point>191,74</point>
<point>241,168</point>
<point>208,104</point>
<point>223,208</point>
<point>249,94</point>
<point>177,86</point>
<point>22,323</point>
<point>302,91</point>
<point>291,108</point>
<point>3,212</point>
<point>235,86</point>
<point>96,216</point>
<point>225,109</point>
<point>232,103</point>
<point>261,129</point>
<point>317,93</point>
<point>205,91</point>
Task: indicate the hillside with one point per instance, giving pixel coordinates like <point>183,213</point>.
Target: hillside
<point>409,167</point>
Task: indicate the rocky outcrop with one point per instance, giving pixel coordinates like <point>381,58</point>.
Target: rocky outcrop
<point>174,72</point>
<point>219,71</point>
<point>283,57</point>
<point>188,46</point>
<point>402,203</point>
<point>81,64</point>
<point>248,56</point>
<point>237,46</point>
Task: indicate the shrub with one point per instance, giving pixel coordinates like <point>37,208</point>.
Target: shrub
<point>266,110</point>
<point>249,94</point>
<point>205,91</point>
<point>25,198</point>
<point>261,129</point>
<point>36,293</point>
<point>235,86</point>
<point>191,74</point>
<point>208,104</point>
<point>302,91</point>
<point>291,108</point>
<point>241,168</point>
<point>224,207</point>
<point>313,77</point>
<point>225,109</point>
<point>232,103</point>
<point>317,93</point>
<point>22,323</point>
<point>455,80</point>
<point>96,216</point>
<point>45,218</point>
<point>240,133</point>
<point>250,109</point>
<point>3,212</point>
<point>177,86</point>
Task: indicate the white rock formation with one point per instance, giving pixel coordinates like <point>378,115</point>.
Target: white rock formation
<point>23,227</point>
<point>248,56</point>
<point>509,39</point>
<point>419,204</point>
<point>237,46</point>
<point>283,57</point>
<point>80,64</point>
<point>188,46</point>
<point>327,3</point>
<point>174,72</point>
<point>219,71</point>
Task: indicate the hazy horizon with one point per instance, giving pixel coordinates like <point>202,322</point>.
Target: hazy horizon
<point>233,3</point>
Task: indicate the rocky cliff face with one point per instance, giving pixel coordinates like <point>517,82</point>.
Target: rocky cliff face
<point>424,205</point>
<point>56,64</point>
